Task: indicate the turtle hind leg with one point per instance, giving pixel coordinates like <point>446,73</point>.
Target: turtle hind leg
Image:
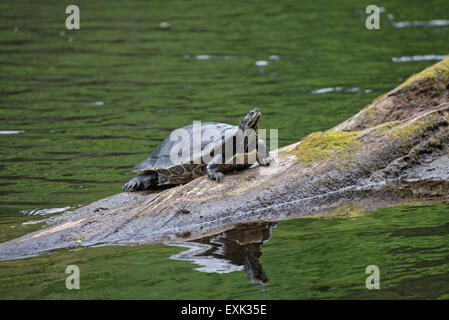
<point>140,182</point>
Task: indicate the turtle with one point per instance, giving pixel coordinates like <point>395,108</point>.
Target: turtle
<point>229,148</point>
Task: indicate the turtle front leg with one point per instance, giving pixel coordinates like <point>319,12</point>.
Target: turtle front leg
<point>142,181</point>
<point>213,169</point>
<point>263,156</point>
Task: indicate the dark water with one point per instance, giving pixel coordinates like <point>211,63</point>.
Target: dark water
<point>89,104</point>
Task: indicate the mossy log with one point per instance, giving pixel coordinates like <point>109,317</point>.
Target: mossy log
<point>394,151</point>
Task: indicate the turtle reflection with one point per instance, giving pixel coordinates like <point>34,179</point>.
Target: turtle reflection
<point>233,250</point>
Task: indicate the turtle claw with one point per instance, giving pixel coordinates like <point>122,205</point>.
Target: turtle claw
<point>217,176</point>
<point>268,161</point>
<point>142,181</point>
<point>131,185</point>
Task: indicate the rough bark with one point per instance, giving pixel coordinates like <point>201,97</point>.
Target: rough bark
<point>394,151</point>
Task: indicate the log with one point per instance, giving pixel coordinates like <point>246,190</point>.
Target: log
<point>392,152</point>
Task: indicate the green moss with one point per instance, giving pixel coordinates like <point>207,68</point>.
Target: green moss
<point>407,135</point>
<point>406,132</point>
<point>386,126</point>
<point>370,111</point>
<point>410,130</point>
<point>319,146</point>
<point>438,71</point>
<point>342,212</point>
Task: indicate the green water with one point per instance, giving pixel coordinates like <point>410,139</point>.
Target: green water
<point>93,102</point>
<point>305,258</point>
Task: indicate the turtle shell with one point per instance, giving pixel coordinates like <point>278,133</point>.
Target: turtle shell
<point>190,165</point>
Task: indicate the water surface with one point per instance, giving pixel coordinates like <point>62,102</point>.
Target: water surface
<point>78,108</point>
<point>309,258</point>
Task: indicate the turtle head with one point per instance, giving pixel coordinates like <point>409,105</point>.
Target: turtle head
<point>251,120</point>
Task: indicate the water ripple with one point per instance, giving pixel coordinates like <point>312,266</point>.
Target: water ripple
<point>36,212</point>
<point>431,23</point>
<point>11,132</point>
<point>428,57</point>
